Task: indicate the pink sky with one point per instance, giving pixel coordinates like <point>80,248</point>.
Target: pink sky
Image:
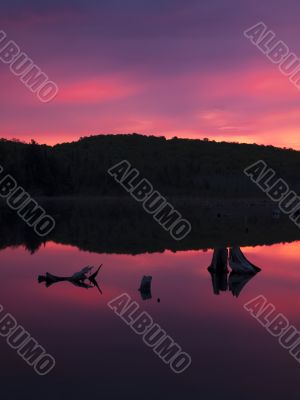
<point>177,70</point>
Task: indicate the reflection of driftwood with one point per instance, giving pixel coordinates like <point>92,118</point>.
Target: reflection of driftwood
<point>239,263</point>
<point>77,279</point>
<point>145,288</point>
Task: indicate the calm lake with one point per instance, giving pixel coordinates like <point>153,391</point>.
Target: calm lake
<point>98,355</point>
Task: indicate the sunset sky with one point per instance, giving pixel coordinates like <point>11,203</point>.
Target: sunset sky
<point>164,67</point>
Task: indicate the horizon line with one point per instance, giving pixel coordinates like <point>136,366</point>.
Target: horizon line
<point>204,139</point>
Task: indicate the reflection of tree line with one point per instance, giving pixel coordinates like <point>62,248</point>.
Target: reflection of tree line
<point>121,226</point>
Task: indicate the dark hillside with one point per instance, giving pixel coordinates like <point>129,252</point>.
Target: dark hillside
<point>179,167</point>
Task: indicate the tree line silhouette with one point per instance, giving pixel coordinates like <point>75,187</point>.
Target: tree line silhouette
<point>179,167</point>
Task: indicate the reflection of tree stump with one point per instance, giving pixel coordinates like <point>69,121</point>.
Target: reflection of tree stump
<point>218,270</point>
<point>239,263</point>
<point>242,270</point>
<point>219,261</point>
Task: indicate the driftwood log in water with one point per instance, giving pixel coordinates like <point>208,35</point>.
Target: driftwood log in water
<point>77,279</point>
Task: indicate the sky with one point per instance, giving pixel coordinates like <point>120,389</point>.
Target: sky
<point>161,67</point>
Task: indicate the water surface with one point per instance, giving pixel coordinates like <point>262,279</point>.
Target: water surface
<point>98,355</point>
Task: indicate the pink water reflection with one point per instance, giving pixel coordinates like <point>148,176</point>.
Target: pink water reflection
<point>216,330</point>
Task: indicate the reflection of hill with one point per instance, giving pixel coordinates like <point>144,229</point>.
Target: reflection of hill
<point>122,226</point>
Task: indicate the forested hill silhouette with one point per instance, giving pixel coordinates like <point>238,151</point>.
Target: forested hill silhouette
<point>182,167</point>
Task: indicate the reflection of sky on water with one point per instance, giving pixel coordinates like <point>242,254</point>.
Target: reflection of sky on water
<point>231,351</point>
